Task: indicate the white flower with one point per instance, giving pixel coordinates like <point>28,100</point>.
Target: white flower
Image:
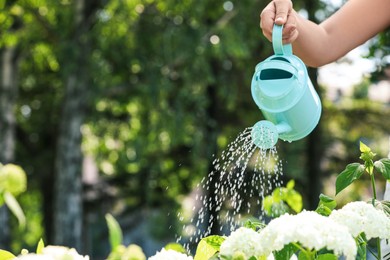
<point>243,240</point>
<point>361,217</point>
<point>311,231</point>
<point>55,253</point>
<point>169,255</point>
<point>34,257</point>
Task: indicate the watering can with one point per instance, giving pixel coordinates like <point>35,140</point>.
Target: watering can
<point>281,88</point>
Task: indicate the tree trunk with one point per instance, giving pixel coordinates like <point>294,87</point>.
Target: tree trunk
<point>314,145</point>
<point>212,135</point>
<point>68,210</point>
<point>314,155</point>
<point>8,93</point>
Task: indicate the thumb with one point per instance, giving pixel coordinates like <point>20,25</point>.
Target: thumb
<point>282,9</point>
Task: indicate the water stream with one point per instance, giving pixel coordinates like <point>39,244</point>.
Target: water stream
<point>241,177</point>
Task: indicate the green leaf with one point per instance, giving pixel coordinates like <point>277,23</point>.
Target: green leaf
<point>290,185</point>
<point>176,247</point>
<point>214,241</point>
<point>328,200</point>
<point>40,246</point>
<point>364,148</point>
<point>13,179</point>
<point>351,173</point>
<point>255,225</point>
<point>286,252</point>
<point>383,167</point>
<point>327,256</point>
<point>5,255</point>
<point>294,200</point>
<point>15,208</point>
<point>361,243</point>
<point>207,247</point>
<point>115,231</point>
<point>326,205</point>
<point>369,166</point>
<point>282,200</point>
<point>302,256</point>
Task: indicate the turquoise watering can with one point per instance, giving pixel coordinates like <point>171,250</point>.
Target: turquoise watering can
<point>281,88</point>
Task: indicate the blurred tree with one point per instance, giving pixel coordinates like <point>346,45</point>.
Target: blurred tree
<point>74,56</point>
<point>9,59</point>
<point>156,89</point>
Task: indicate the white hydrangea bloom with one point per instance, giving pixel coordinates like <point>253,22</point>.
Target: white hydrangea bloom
<point>311,230</point>
<point>61,252</point>
<point>55,253</point>
<point>34,257</point>
<point>361,217</point>
<point>272,257</point>
<point>169,255</point>
<point>243,240</point>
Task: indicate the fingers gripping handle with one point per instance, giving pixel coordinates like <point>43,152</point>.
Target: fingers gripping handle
<point>277,41</point>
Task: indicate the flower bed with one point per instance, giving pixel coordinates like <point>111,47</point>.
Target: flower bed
<point>324,234</point>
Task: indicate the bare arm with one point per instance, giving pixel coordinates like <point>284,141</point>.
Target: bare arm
<point>356,22</point>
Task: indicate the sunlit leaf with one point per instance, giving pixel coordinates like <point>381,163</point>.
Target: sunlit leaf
<point>176,247</point>
<point>15,208</point>
<point>5,255</point>
<point>115,231</point>
<point>208,246</point>
<point>367,156</point>
<point>364,148</point>
<point>290,185</point>
<point>294,200</point>
<point>13,179</point>
<point>40,246</point>
<point>351,173</point>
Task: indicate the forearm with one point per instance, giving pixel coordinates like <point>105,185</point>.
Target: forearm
<point>355,23</point>
<point>318,45</point>
<point>312,43</point>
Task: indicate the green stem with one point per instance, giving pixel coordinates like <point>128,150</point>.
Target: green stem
<point>378,241</point>
<point>373,189</point>
<point>309,254</point>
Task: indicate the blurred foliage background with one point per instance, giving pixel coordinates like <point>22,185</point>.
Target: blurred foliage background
<point>119,106</point>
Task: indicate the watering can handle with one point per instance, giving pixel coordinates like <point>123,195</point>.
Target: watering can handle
<point>277,44</point>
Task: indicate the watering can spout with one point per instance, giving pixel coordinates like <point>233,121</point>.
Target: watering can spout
<point>265,134</point>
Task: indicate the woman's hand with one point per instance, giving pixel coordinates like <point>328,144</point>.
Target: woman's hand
<point>279,12</point>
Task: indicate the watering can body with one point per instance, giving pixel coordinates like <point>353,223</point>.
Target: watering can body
<point>282,90</point>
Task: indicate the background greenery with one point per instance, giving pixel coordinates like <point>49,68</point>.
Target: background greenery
<point>143,93</point>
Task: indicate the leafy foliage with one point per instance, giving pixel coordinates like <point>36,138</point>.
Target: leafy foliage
<point>208,247</point>
<point>115,232</point>
<point>354,171</point>
<point>13,181</point>
<point>326,205</point>
<point>283,199</point>
<point>351,173</point>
